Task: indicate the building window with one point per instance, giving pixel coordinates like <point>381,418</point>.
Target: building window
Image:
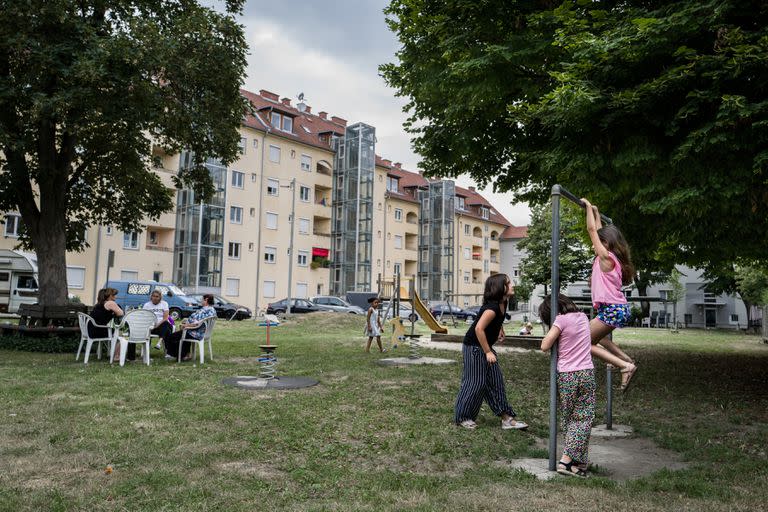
<point>255,143</point>
<point>288,124</point>
<point>485,265</point>
<point>238,179</point>
<point>250,246</point>
<point>270,254</point>
<point>271,220</point>
<point>460,203</point>
<point>393,184</point>
<point>157,276</point>
<point>398,215</point>
<point>254,176</point>
<point>109,231</point>
<point>233,287</point>
<point>76,277</point>
<point>234,250</point>
<point>303,226</point>
<point>485,243</point>
<point>303,258</point>
<point>306,163</point>
<point>235,215</point>
<point>253,212</point>
<point>466,277</point>
<point>466,229</point>
<point>734,319</point>
<point>515,273</point>
<point>12,225</point>
<point>269,289</point>
<point>131,275</point>
<point>243,142</point>
<point>273,187</point>
<point>130,240</point>
<point>282,122</point>
<point>304,193</point>
<point>396,268</point>
<point>274,154</point>
<point>398,241</point>
<point>467,253</point>
<point>484,212</point>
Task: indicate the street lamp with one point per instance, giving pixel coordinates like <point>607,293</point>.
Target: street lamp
<point>292,186</point>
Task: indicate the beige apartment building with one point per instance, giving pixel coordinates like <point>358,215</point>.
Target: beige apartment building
<point>355,216</point>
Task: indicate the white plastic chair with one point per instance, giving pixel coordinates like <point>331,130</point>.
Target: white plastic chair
<point>84,320</point>
<point>139,322</point>
<point>209,323</point>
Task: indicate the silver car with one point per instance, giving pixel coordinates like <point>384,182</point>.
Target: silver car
<point>329,303</point>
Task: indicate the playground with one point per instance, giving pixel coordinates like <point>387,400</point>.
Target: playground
<point>370,437</point>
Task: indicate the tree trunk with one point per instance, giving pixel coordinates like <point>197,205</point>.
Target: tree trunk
<point>50,244</point>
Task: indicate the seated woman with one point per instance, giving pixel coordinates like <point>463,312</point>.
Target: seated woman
<point>106,310</point>
<point>526,329</point>
<point>159,307</point>
<point>196,329</point>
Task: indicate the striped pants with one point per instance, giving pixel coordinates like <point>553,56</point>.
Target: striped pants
<point>479,381</point>
<point>577,411</point>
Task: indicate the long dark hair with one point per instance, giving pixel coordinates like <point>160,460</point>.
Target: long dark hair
<point>615,242</point>
<point>564,305</point>
<point>495,288</point>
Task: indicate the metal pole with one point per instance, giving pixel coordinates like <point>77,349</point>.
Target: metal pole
<point>199,243</point>
<point>554,288</point>
<point>609,401</point>
<point>290,246</point>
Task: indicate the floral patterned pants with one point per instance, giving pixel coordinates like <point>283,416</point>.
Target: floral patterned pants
<point>577,411</point>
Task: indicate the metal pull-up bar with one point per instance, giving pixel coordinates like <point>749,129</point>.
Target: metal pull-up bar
<point>557,191</point>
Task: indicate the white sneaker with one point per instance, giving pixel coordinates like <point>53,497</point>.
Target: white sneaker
<point>158,346</point>
<point>169,357</point>
<point>510,423</point>
<point>468,424</point>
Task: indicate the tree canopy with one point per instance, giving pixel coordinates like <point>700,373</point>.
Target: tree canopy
<point>657,111</point>
<point>86,88</point>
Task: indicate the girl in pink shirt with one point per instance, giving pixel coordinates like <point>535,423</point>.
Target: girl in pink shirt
<point>611,269</point>
<point>575,380</point>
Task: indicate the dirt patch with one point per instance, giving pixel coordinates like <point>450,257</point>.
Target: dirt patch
<point>261,471</point>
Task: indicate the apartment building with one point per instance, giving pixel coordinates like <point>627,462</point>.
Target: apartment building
<point>311,182</point>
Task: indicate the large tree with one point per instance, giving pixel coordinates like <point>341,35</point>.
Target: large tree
<point>656,110</point>
<point>86,87</point>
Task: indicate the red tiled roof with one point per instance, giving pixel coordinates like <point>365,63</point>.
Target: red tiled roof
<point>515,232</point>
<point>473,198</point>
<point>307,127</point>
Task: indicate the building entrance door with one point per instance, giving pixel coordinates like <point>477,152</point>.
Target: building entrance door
<point>710,317</point>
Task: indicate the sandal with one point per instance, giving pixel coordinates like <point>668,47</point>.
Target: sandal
<point>568,469</point>
<point>629,372</point>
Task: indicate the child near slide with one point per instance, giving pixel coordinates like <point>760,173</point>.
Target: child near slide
<point>482,378</point>
<point>611,269</point>
<point>575,380</point>
<point>373,325</point>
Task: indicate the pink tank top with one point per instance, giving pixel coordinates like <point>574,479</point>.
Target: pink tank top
<point>606,286</point>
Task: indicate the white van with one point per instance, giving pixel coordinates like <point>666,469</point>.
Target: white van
<point>18,281</point>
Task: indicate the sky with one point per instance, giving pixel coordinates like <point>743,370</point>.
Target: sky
<point>331,51</point>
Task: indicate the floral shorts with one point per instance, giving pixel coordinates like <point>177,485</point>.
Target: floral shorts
<point>615,315</point>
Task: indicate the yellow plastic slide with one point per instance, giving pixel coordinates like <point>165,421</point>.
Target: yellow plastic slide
<point>425,315</point>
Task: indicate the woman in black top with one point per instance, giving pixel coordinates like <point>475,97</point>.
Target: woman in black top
<point>482,377</point>
<point>106,310</point>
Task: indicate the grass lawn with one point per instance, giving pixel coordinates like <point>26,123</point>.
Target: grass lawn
<point>368,437</point>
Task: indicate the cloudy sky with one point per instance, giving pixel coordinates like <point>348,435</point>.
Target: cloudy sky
<point>331,51</point>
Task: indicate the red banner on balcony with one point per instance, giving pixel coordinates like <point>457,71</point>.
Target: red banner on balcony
<point>318,251</point>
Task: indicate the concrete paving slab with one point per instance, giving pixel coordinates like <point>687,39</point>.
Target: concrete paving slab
<point>616,431</point>
<point>407,361</point>
<point>257,383</point>
<point>537,467</point>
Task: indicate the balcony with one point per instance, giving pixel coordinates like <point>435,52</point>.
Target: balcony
<point>151,247</point>
<point>320,232</point>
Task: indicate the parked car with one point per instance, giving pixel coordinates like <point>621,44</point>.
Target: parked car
<point>329,303</point>
<point>405,311</point>
<point>133,294</point>
<point>475,310</point>
<point>441,309</point>
<point>227,309</point>
<point>297,306</point>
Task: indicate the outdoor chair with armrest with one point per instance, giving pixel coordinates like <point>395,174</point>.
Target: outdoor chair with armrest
<point>139,323</point>
<point>85,320</point>
<point>200,344</point>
